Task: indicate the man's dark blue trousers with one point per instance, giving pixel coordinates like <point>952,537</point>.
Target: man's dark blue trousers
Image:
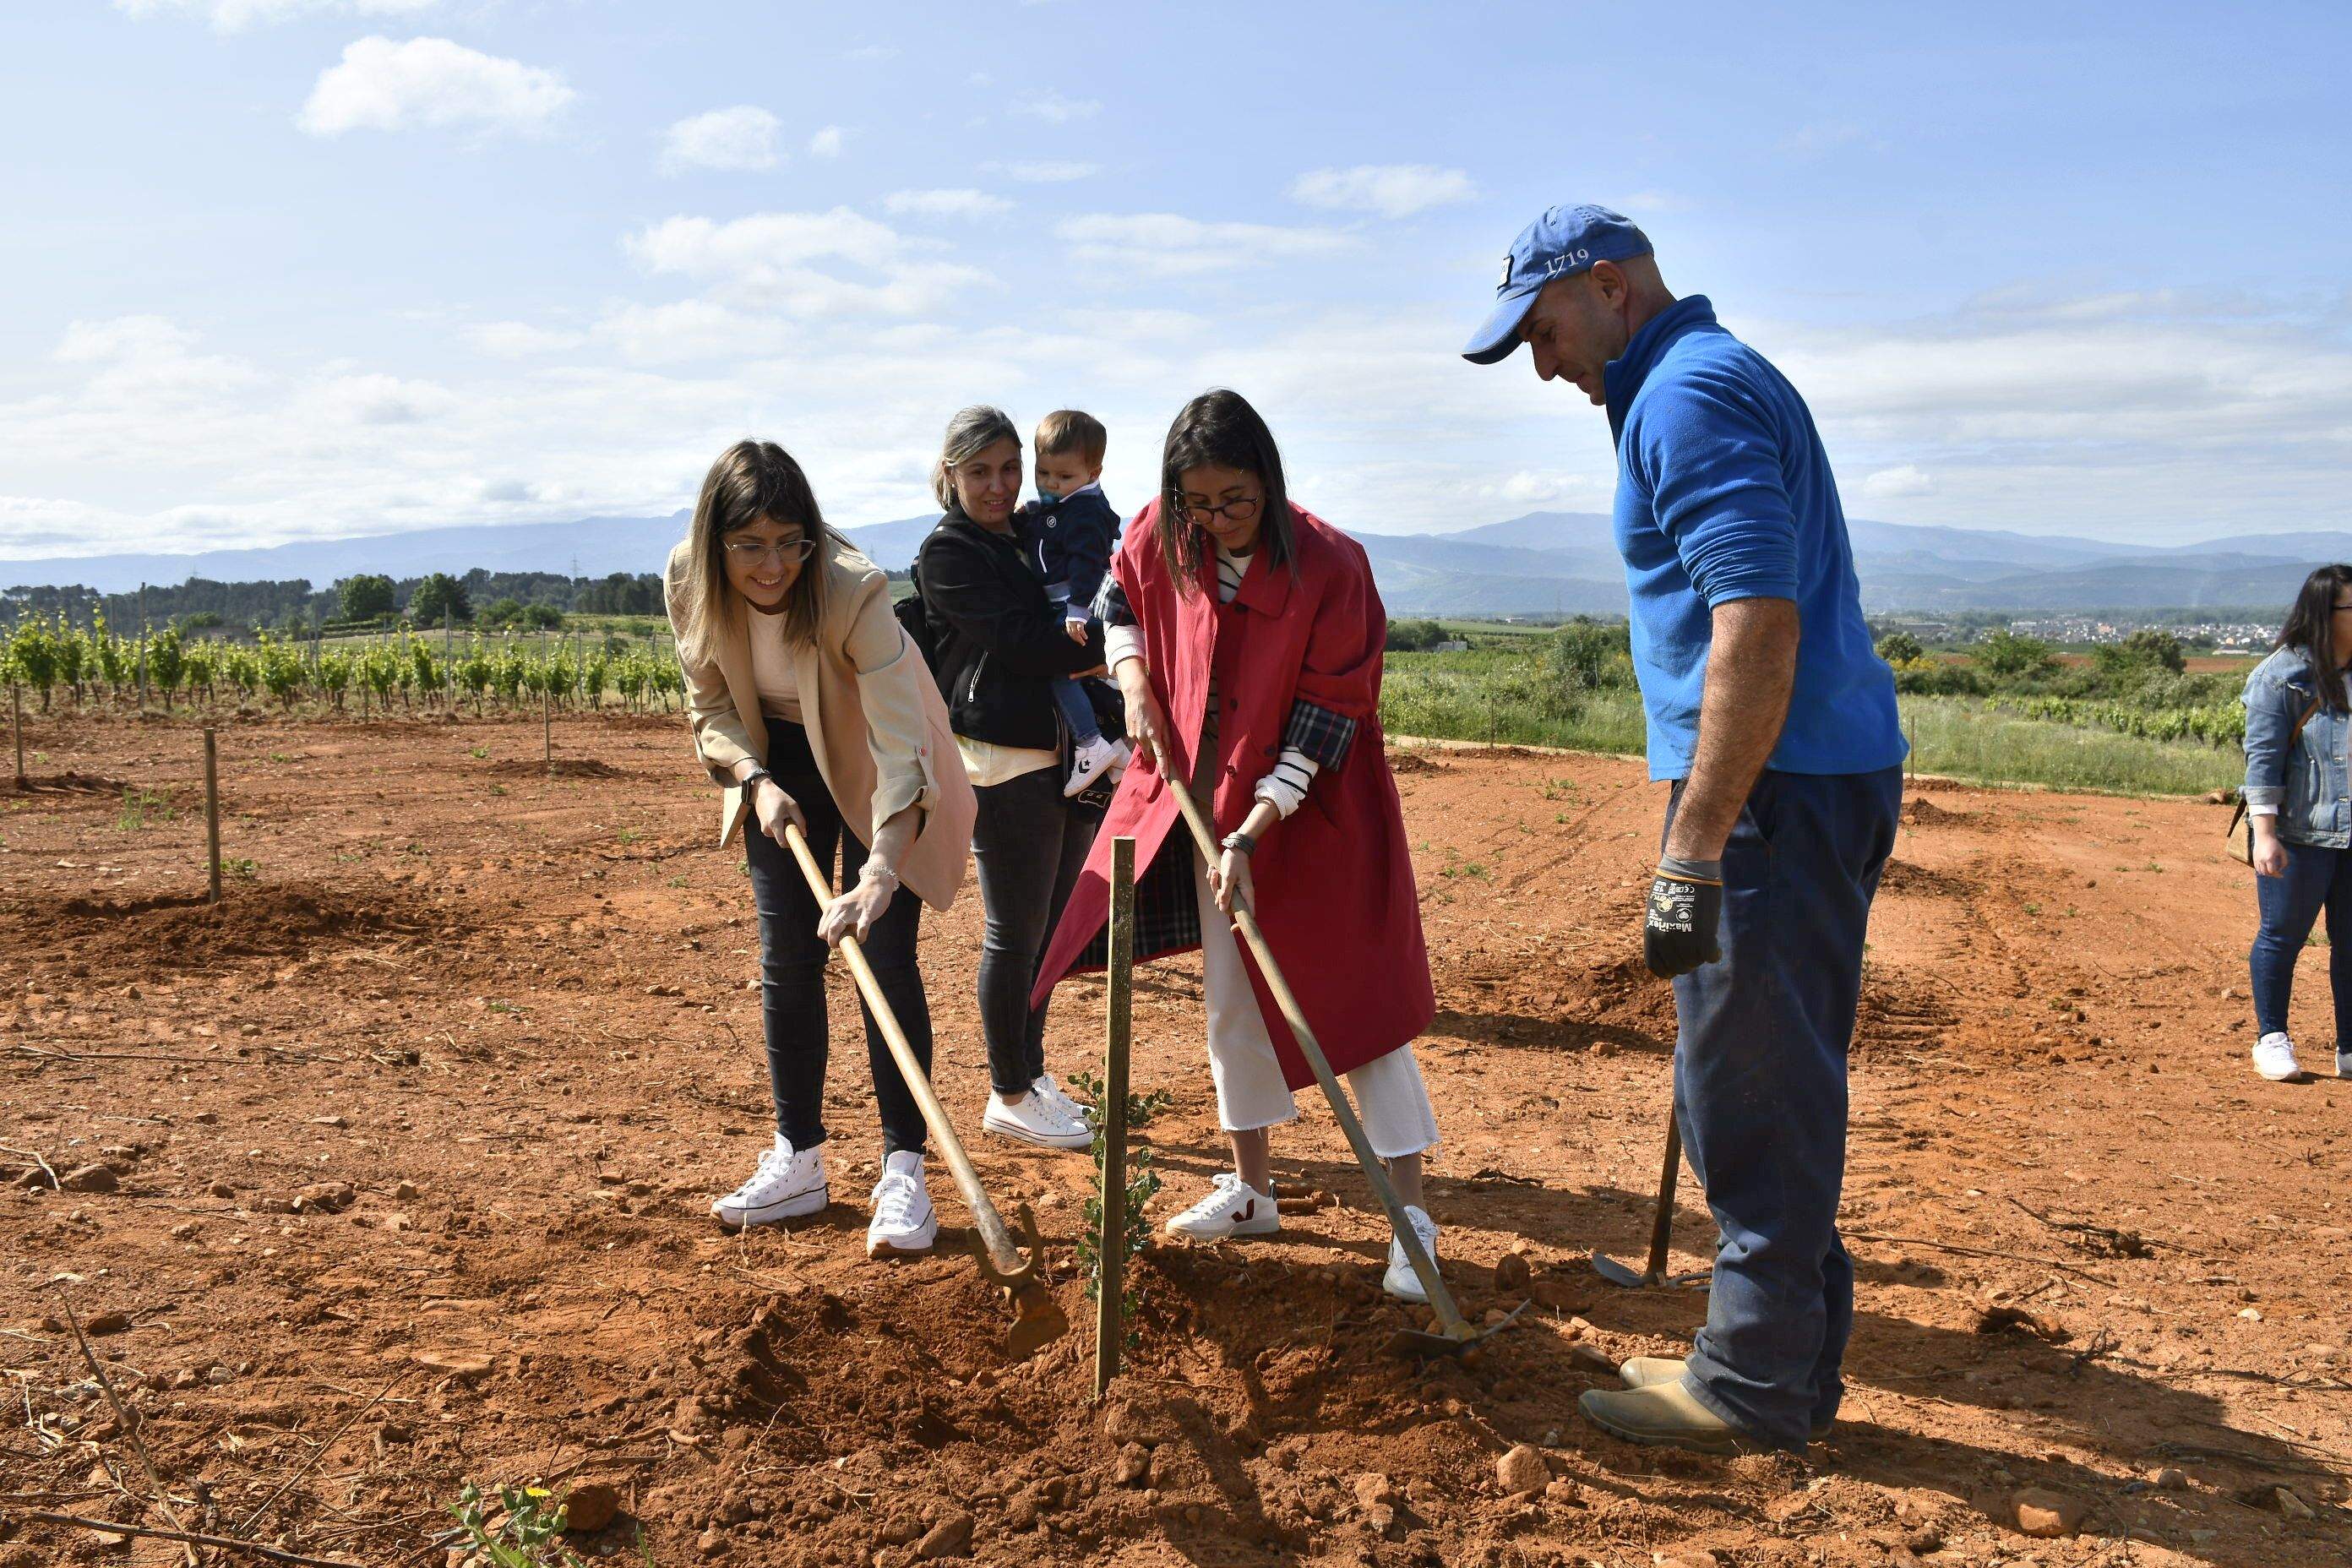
<point>1760,1078</point>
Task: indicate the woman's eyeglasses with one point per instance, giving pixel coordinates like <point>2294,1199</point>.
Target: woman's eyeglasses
<point>752,552</point>
<point>1240,510</point>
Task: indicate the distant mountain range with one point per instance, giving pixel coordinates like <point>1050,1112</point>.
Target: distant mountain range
<point>1541,562</point>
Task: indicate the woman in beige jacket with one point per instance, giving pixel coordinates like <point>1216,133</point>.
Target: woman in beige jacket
<point>811,707</point>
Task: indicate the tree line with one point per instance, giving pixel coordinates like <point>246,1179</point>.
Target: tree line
<point>293,606</point>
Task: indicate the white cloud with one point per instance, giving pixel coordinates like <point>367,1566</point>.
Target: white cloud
<point>2127,416</point>
<point>872,52</point>
<point>947,204</point>
<point>123,337</point>
<point>1890,484</point>
<point>1046,172</point>
<point>379,400</point>
<point>1391,190</point>
<point>236,16</point>
<point>1055,110</point>
<point>520,340</point>
<point>828,141</point>
<point>686,332</point>
<point>774,260</point>
<point>384,85</point>
<point>741,138</point>
<point>1168,244</point>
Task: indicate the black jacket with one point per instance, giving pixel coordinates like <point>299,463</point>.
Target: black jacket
<point>1072,542</point>
<point>999,638</point>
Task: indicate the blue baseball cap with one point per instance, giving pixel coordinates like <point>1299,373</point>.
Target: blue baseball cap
<point>1563,243</point>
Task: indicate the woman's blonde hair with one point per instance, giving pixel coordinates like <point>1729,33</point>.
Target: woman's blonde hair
<point>972,431</point>
<point>751,480</point>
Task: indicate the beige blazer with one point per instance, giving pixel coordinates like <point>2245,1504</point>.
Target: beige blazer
<point>873,716</point>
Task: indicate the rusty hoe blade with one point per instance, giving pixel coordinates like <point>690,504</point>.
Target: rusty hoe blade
<point>1420,1344</point>
<point>1037,1319</point>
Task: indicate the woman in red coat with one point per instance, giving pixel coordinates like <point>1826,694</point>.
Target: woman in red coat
<point>1246,635</point>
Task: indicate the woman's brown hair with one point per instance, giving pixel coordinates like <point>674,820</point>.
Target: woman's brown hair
<point>751,480</point>
<point>1219,427</point>
<point>2310,630</point>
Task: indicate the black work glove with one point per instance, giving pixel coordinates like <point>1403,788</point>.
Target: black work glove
<point>1684,914</point>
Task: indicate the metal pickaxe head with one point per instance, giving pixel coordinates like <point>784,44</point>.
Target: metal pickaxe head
<point>1420,1344</point>
<point>1037,1319</point>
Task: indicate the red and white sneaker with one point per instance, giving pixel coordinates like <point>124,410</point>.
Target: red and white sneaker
<point>1233,1207</point>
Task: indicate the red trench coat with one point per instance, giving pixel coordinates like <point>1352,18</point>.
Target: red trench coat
<point>1335,887</point>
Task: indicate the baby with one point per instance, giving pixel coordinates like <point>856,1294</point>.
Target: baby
<point>1071,530</point>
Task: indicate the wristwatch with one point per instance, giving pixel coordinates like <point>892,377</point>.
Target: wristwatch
<point>755,775</point>
<point>1239,840</point>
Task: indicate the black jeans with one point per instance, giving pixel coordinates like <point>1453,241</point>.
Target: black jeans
<point>793,959</point>
<point>1030,847</point>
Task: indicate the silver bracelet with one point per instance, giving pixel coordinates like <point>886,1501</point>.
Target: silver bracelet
<point>875,871</point>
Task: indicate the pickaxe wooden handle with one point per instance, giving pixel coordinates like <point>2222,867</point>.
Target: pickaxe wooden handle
<point>1038,1318</point>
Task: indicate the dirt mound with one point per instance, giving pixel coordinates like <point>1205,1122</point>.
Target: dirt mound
<point>563,768</point>
<point>64,783</point>
<point>1922,812</point>
<point>1412,762</point>
<point>1907,877</point>
<point>142,936</point>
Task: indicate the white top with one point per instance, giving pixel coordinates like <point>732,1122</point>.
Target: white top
<point>988,764</point>
<point>772,667</point>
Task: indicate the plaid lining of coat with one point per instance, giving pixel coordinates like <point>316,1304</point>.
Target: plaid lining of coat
<point>1166,914</point>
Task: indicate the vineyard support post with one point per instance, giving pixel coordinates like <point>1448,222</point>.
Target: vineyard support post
<point>546,704</point>
<point>212,812</point>
<point>1110,1246</point>
<point>16,724</point>
<point>142,648</point>
<point>448,673</point>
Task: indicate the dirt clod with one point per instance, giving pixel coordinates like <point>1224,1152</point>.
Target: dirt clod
<point>591,1505</point>
<point>2041,1512</point>
<point>1521,1471</point>
<point>950,1537</point>
<point>91,1178</point>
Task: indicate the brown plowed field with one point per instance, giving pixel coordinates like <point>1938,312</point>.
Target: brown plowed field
<point>511,1014</point>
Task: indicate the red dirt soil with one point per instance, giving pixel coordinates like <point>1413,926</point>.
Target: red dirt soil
<point>511,1013</point>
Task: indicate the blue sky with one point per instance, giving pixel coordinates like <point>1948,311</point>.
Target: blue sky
<point>281,268</point>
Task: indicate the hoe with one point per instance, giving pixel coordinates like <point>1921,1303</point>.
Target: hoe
<point>1038,1318</point>
<point>1454,1333</point>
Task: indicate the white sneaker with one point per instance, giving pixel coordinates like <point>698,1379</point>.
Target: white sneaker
<point>904,1222</point>
<point>787,1185</point>
<point>2274,1059</point>
<point>1233,1207</point>
<point>2343,1062</point>
<point>1034,1118</point>
<point>1401,1281</point>
<point>1094,759</point>
<point>1050,1090</point>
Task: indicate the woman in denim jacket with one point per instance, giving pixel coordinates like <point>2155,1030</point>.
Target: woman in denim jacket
<point>2299,805</point>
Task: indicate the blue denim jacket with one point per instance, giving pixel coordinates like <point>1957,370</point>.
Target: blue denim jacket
<point>2308,783</point>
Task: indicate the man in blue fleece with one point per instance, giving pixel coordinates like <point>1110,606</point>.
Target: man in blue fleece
<point>1776,723</point>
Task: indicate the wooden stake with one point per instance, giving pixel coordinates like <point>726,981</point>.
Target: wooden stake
<point>212,812</point>
<point>16,723</point>
<point>1110,1246</point>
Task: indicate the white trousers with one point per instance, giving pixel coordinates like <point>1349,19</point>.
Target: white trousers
<point>1389,1094</point>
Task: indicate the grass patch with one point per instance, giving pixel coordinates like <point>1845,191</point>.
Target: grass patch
<point>1511,692</point>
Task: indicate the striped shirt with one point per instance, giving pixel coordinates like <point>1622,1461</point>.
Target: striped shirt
<point>1284,788</point>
